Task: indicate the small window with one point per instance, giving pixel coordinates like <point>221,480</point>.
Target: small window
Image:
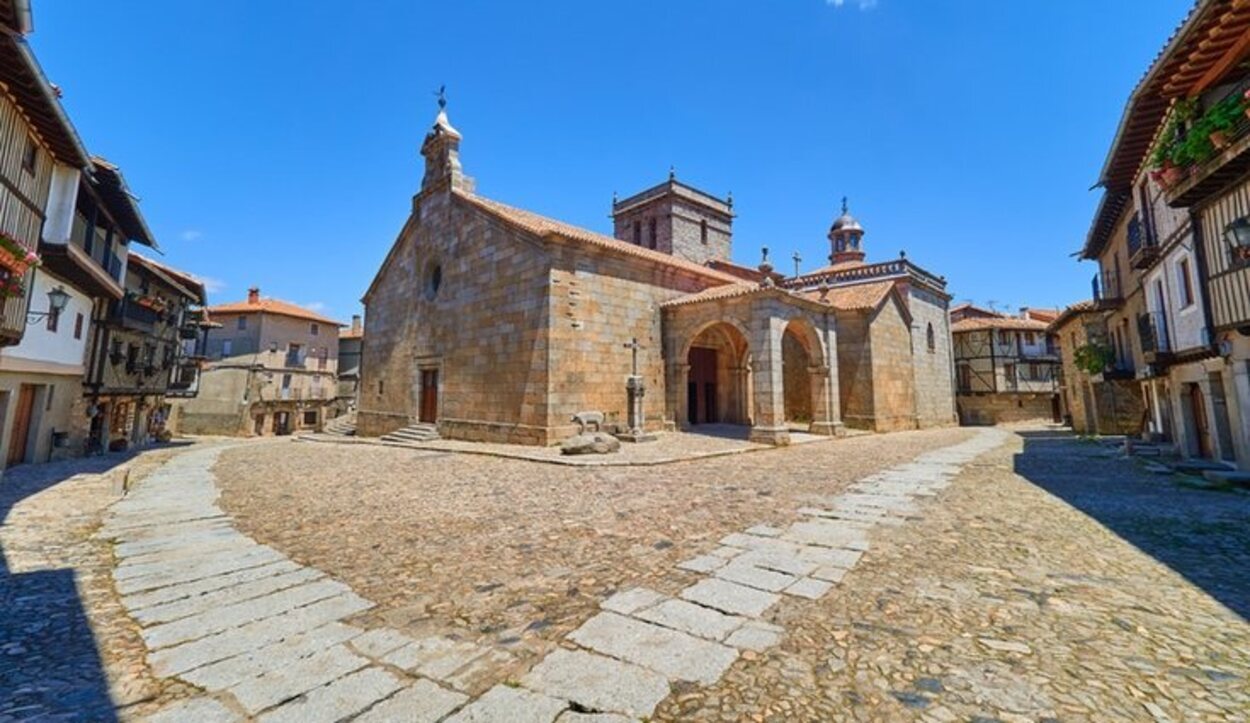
<point>1187,284</point>
<point>637,233</point>
<point>310,419</point>
<point>227,347</point>
<point>241,324</point>
<point>30,156</point>
<point>312,329</point>
<point>931,338</point>
<point>703,231</point>
<point>433,280</point>
<point>78,326</point>
<point>655,242</point>
<point>379,386</point>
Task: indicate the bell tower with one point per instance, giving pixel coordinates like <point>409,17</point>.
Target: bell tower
<point>846,237</point>
<point>441,150</point>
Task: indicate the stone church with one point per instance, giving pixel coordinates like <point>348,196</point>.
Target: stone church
<point>494,323</point>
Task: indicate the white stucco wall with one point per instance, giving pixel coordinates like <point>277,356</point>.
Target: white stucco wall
<point>1163,286</point>
<point>59,347</point>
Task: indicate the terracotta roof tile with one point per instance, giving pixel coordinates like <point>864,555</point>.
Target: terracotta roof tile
<point>858,297</point>
<point>544,226</point>
<point>191,285</point>
<point>1003,322</point>
<point>728,291</point>
<point>271,306</point>
<point>1080,307</point>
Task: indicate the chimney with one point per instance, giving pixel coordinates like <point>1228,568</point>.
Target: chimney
<point>253,295</point>
<point>355,323</point>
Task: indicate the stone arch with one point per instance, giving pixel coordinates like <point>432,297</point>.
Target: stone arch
<point>716,385</point>
<point>805,372</point>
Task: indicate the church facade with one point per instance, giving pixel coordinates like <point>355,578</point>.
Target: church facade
<point>493,323</point>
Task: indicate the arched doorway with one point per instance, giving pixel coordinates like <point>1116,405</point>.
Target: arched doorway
<point>800,354</point>
<point>718,379</point>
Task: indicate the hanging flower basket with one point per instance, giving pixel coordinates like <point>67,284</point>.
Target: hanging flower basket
<point>11,286</point>
<point>15,257</point>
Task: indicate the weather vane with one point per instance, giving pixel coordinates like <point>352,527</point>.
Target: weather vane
<point>441,93</point>
<point>844,205</point>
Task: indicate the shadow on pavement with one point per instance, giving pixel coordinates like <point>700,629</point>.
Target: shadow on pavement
<point>50,667</point>
<point>1204,535</point>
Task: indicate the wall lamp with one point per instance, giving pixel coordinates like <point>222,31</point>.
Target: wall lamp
<point>58,299</point>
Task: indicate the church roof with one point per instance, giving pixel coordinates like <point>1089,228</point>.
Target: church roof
<point>543,226</point>
<point>859,297</point>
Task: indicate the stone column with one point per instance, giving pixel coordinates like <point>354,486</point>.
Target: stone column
<point>683,402</point>
<point>1239,370</point>
<point>825,419</point>
<point>769,425</point>
<point>741,406</point>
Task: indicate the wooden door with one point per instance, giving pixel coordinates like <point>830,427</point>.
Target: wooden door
<point>429,396</point>
<point>21,424</point>
<point>1202,430</point>
<point>701,386</point>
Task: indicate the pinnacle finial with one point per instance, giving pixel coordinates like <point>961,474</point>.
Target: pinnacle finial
<point>441,94</point>
<point>844,206</point>
<point>672,173</point>
<point>730,200</point>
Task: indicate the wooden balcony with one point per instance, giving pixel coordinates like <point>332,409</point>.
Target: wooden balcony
<point>1143,248</point>
<point>1106,288</point>
<point>72,263</point>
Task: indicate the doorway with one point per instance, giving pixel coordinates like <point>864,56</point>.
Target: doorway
<point>19,438</point>
<point>281,423</point>
<point>1202,430</point>
<point>701,386</point>
<point>428,412</point>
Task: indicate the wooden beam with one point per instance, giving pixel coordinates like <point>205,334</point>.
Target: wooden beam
<point>1238,51</point>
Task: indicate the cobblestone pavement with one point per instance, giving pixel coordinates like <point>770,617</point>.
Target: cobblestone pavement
<point>713,440</point>
<point>67,649</point>
<point>969,580</point>
<point>516,553</point>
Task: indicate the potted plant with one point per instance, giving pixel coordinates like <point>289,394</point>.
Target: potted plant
<point>1222,118</point>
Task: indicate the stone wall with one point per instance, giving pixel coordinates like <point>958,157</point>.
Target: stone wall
<point>599,302</point>
<point>855,369</point>
<point>484,330</point>
<point>933,371</point>
<point>1004,408</point>
<point>893,374</point>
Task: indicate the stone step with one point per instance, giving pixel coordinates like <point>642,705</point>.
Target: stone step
<point>413,433</point>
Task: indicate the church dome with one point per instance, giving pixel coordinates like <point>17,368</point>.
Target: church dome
<point>846,222</point>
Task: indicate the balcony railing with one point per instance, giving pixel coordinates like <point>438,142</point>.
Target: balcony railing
<point>1152,328</point>
<point>1223,156</point>
<point>1142,247</point>
<point>1106,287</point>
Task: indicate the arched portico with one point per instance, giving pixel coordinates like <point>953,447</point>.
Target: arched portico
<point>757,356</point>
<point>716,384</point>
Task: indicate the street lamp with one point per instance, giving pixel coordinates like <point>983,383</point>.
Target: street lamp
<point>1237,238</point>
<point>58,299</point>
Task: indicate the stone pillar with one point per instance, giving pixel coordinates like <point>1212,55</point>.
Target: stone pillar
<point>683,402</point>
<point>825,417</point>
<point>769,425</point>
<point>741,412</point>
<point>636,389</point>
<point>1239,370</point>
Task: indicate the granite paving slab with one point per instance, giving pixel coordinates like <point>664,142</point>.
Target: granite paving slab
<point>674,654</point>
<point>598,683</point>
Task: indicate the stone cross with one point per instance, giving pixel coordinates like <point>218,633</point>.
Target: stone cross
<point>442,96</point>
<point>634,346</point>
<point>797,260</point>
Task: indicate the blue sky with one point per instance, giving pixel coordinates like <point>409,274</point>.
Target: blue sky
<point>276,143</point>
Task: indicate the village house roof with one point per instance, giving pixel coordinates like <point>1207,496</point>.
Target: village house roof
<point>981,323</point>
<point>23,79</point>
<point>544,227</point>
<point>185,283</point>
<point>1201,49</point>
<point>121,203</point>
<point>1077,309</point>
<point>257,305</point>
<point>1046,315</point>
